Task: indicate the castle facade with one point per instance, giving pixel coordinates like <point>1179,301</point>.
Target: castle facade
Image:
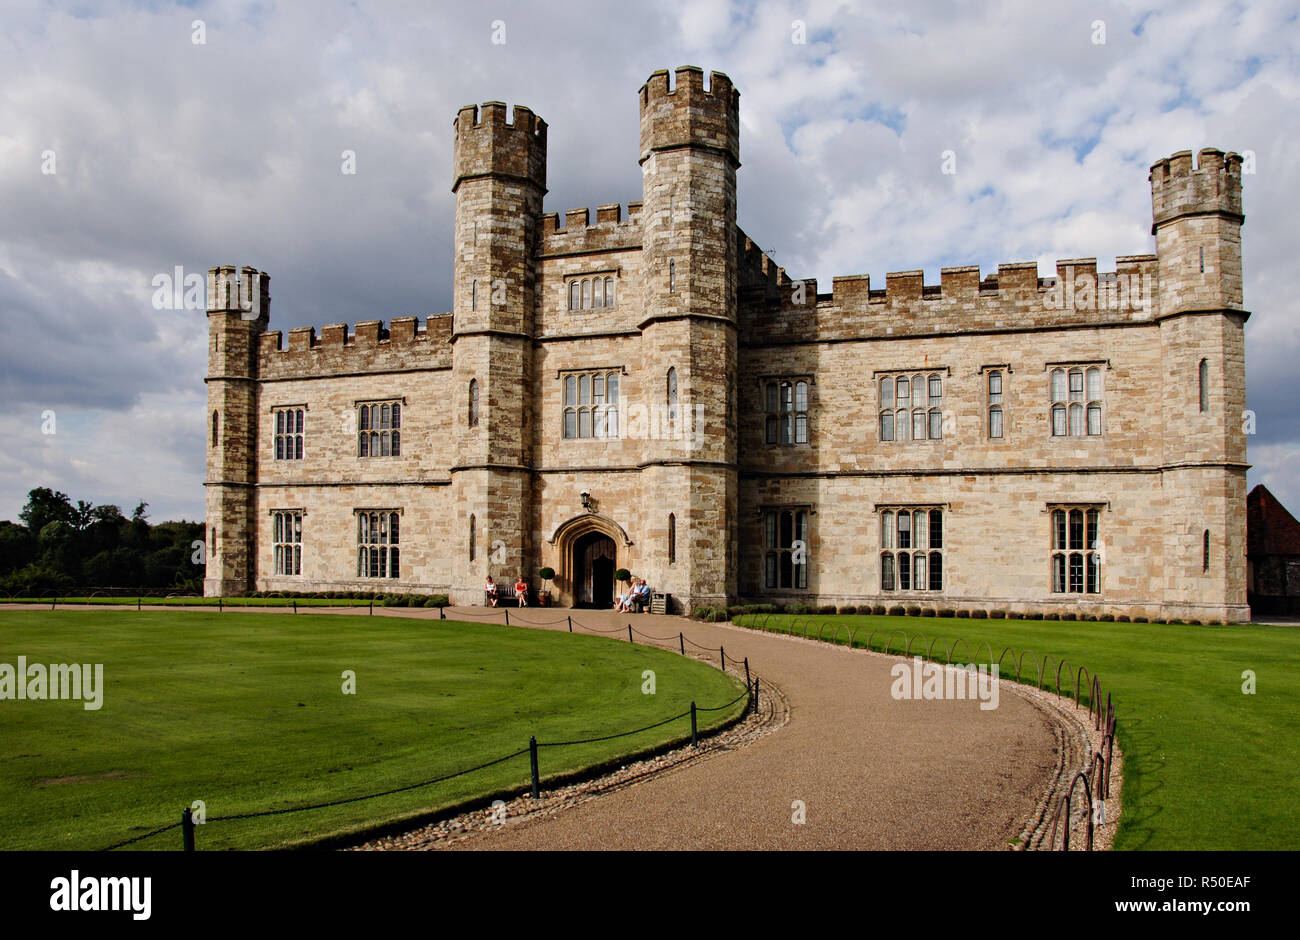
<point>650,391</point>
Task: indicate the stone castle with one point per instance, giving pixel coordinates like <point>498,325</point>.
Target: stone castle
<point>650,391</point>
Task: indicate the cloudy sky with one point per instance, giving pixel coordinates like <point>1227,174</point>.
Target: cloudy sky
<point>168,152</point>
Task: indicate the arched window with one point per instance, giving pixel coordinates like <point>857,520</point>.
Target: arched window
<point>598,293</point>
<point>886,409</point>
<point>672,275</point>
<point>1205,384</point>
<point>586,294</point>
<point>786,412</point>
<point>575,295</point>
<point>216,420</point>
<point>672,394</point>
<point>1082,390</point>
<point>378,534</point>
<point>995,404</point>
<point>379,431</point>
<point>1076,547</point>
<point>609,292</point>
<point>672,538</point>
<point>473,403</point>
<point>473,538</point>
<point>1205,549</point>
<point>473,295</point>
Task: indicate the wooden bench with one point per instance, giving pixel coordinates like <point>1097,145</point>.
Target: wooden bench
<point>506,597</point>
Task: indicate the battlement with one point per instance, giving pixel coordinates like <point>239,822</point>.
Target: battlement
<point>245,290</point>
<point>1013,298</point>
<point>1179,189</point>
<point>756,269</point>
<point>371,347</point>
<point>578,233</point>
<point>488,144</point>
<point>689,115</point>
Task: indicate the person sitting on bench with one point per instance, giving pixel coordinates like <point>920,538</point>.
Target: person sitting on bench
<point>489,592</point>
<point>640,596</point>
<point>521,591</point>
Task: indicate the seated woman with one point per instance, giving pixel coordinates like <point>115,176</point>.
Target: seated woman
<point>489,592</point>
<point>624,602</point>
<point>521,591</point>
<point>640,596</point>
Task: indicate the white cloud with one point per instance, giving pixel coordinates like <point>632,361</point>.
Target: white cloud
<point>175,154</point>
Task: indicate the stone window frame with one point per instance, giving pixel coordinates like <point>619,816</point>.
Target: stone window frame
<point>1203,380</point>
<point>284,439</point>
<point>778,419</point>
<point>604,415</point>
<point>286,544</point>
<point>473,413</point>
<point>388,437</point>
<point>581,290</point>
<point>378,532</point>
<point>899,561</point>
<point>1065,401</point>
<point>775,549</point>
<point>1088,548</point>
<point>889,415</point>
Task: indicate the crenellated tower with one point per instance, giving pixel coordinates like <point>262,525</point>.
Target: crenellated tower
<point>1197,219</point>
<point>690,150</point>
<point>499,182</point>
<point>239,309</point>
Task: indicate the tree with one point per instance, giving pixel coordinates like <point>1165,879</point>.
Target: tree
<point>45,506</point>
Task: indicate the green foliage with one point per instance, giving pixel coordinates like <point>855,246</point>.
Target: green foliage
<point>622,574</point>
<point>60,545</point>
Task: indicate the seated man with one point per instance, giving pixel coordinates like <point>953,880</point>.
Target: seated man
<point>640,596</point>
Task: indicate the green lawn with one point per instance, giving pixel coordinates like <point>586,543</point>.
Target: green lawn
<point>1206,766</point>
<point>245,712</point>
<point>191,601</point>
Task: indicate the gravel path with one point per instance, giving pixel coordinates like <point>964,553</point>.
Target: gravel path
<point>871,772</point>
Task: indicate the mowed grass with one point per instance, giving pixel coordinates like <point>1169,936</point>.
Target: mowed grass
<point>190,601</point>
<point>1206,766</point>
<point>245,712</point>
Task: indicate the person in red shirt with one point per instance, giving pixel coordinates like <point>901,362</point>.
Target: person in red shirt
<point>521,591</point>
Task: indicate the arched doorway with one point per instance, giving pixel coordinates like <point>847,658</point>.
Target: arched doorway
<point>593,565</point>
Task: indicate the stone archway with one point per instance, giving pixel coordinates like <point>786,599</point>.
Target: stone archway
<point>587,550</point>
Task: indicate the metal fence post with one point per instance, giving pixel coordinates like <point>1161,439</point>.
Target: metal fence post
<point>695,740</point>
<point>295,605</point>
<point>570,619</point>
<point>507,610</point>
<point>187,830</point>
<point>723,651</point>
<point>681,641</point>
<point>137,603</point>
<point>629,633</point>
<point>220,603</point>
<point>442,613</point>
<point>532,756</point>
<point>746,670</point>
